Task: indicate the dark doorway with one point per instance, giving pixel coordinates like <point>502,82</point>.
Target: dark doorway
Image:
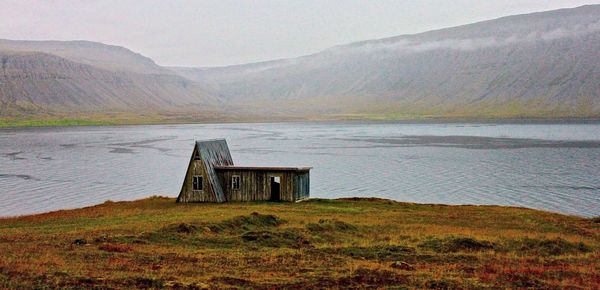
<point>275,188</point>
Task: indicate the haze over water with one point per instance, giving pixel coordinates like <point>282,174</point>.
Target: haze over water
<point>553,167</point>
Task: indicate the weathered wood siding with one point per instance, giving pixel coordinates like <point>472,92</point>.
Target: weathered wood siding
<point>212,153</point>
<point>215,165</point>
<point>256,184</point>
<point>187,194</point>
<point>302,184</point>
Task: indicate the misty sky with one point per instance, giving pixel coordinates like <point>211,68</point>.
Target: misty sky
<point>221,32</point>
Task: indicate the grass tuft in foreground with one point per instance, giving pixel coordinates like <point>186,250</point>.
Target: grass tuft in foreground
<point>350,243</point>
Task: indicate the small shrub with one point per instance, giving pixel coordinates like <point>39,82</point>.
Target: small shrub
<point>596,219</point>
<point>456,244</point>
<point>547,247</point>
<point>245,223</point>
<point>380,253</point>
<point>181,228</point>
<point>329,225</point>
<point>118,248</point>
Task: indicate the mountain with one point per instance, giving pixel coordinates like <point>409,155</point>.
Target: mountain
<point>543,64</point>
<point>109,57</point>
<point>540,64</point>
<point>87,77</point>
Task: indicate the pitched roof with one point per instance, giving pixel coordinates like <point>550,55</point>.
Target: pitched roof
<point>261,168</point>
<point>215,153</point>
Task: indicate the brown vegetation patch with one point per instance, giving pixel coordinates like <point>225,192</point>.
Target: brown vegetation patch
<point>361,278</point>
<point>181,228</point>
<point>288,238</point>
<point>236,282</point>
<point>456,244</point>
<point>441,284</point>
<point>380,253</point>
<point>546,247</point>
<point>523,281</point>
<point>245,223</point>
<point>118,248</point>
<point>104,239</point>
<point>330,225</point>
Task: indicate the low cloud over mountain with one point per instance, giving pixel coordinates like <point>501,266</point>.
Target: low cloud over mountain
<point>534,65</point>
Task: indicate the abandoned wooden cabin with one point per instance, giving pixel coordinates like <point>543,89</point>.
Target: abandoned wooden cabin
<point>212,177</point>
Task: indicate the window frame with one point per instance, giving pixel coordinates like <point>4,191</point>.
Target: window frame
<point>200,184</point>
<point>239,182</point>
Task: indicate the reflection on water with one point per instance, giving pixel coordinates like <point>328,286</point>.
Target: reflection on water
<point>547,166</point>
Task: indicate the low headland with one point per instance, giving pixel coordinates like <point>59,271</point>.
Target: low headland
<point>343,243</point>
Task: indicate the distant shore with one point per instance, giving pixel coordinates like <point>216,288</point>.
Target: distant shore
<point>351,242</point>
<point>174,120</point>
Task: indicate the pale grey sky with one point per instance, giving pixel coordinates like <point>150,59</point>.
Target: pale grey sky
<point>223,32</point>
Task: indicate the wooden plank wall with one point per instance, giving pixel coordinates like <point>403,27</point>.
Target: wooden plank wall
<point>256,184</point>
<point>302,185</point>
<point>187,193</point>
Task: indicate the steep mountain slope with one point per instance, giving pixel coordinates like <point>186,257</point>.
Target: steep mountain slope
<point>40,82</point>
<point>540,64</point>
<point>109,57</point>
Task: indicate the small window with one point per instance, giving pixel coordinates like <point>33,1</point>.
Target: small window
<point>196,156</point>
<point>235,182</point>
<point>197,182</point>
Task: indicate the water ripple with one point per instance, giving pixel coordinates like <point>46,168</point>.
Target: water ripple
<point>550,167</point>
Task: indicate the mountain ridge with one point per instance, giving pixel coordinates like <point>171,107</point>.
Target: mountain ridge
<point>543,64</point>
<point>34,82</point>
<point>106,56</point>
<point>475,70</point>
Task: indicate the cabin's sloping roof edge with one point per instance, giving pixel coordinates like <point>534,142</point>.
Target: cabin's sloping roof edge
<point>262,168</point>
<point>212,140</point>
<point>215,153</point>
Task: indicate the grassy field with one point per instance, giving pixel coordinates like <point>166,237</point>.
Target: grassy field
<point>352,243</point>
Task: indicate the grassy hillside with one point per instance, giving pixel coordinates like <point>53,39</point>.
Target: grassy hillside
<point>156,243</point>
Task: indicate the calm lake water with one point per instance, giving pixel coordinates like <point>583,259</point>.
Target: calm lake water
<point>553,167</point>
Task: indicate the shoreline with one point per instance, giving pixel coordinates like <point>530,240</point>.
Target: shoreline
<point>316,199</point>
<point>68,122</point>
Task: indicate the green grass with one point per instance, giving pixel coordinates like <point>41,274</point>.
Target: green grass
<point>49,123</point>
<point>347,243</point>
